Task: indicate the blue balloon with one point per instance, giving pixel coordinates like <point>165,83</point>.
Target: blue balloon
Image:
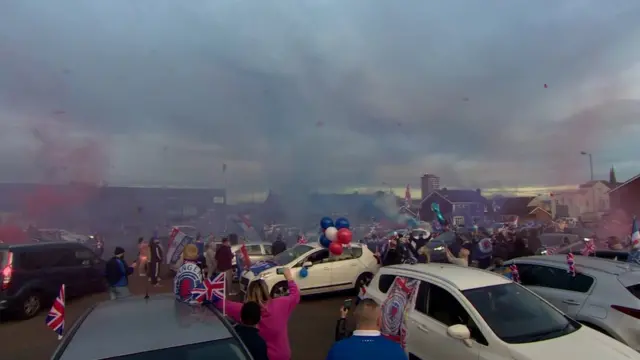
<point>326,222</point>
<point>342,223</point>
<point>324,241</point>
<point>304,272</point>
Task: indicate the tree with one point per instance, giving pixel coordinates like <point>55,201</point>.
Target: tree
<point>612,176</point>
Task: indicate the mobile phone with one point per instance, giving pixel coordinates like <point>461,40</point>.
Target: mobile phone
<point>280,271</point>
<point>347,304</point>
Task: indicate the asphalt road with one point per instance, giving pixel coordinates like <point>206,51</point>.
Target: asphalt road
<point>311,327</point>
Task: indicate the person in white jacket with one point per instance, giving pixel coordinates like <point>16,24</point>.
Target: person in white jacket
<point>210,258</point>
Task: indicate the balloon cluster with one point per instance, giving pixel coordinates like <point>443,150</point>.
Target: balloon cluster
<point>335,235</point>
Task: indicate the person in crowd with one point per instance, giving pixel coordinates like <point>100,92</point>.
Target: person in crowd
<point>143,257</point>
<point>497,266</point>
<point>520,249</point>
<point>224,261</point>
<point>275,314</point>
<point>462,259</point>
<point>188,275</point>
<point>210,258</point>
<point>341,327</point>
<point>156,255</point>
<point>247,330</point>
<point>99,246</point>
<point>613,243</point>
<point>424,255</point>
<point>278,246</point>
<point>117,273</point>
<point>366,341</point>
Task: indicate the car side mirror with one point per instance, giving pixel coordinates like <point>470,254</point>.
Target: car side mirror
<point>460,332</point>
<point>307,264</point>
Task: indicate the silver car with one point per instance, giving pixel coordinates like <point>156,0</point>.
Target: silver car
<point>604,294</point>
<point>256,251</point>
<point>159,327</point>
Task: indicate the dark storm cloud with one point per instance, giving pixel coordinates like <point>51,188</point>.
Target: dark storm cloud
<point>319,94</point>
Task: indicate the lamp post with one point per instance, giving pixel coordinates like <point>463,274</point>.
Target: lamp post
<point>593,191</point>
<point>590,162</point>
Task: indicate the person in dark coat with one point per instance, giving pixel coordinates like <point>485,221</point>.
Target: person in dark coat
<point>247,330</point>
<point>278,246</point>
<point>117,273</point>
<point>156,256</point>
<point>520,249</point>
<point>224,259</point>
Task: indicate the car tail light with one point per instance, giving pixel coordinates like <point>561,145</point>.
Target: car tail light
<point>7,272</point>
<point>628,311</point>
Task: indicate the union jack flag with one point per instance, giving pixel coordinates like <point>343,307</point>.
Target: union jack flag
<point>589,248</point>
<point>215,288</point>
<point>199,293</point>
<point>407,197</point>
<point>55,317</point>
<point>301,239</point>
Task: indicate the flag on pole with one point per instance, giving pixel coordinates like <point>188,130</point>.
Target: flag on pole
<point>55,317</point>
<point>216,290</point>
<point>635,234</point>
<point>198,293</point>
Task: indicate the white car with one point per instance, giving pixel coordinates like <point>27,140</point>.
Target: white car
<point>466,313</point>
<point>326,273</point>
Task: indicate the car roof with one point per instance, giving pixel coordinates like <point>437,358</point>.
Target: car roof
<point>135,324</point>
<point>460,277</point>
<point>37,245</point>
<point>581,262</point>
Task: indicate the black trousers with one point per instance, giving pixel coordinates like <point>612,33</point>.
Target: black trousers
<point>154,271</point>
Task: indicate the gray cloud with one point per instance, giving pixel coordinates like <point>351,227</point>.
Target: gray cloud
<point>317,94</point>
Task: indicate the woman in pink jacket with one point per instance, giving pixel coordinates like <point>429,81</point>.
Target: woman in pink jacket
<point>275,315</point>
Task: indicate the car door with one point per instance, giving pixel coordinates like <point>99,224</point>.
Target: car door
<point>345,269</point>
<point>266,250</point>
<point>435,310</point>
<point>557,286</point>
<point>91,269</point>
<point>319,274</point>
<point>64,267</point>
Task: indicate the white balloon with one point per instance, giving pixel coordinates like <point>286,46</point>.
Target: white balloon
<point>331,233</point>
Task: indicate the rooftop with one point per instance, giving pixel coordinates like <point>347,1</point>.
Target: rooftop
<point>135,325</point>
<point>463,278</point>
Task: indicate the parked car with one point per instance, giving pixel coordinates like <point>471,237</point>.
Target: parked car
<point>32,274</point>
<point>604,294</point>
<point>326,272</point>
<point>465,313</point>
<point>155,328</point>
<point>257,252</point>
<point>438,245</point>
<point>55,235</point>
<point>557,240</point>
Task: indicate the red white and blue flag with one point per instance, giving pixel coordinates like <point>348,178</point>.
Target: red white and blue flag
<point>407,197</point>
<point>55,317</point>
<point>199,293</point>
<point>215,287</point>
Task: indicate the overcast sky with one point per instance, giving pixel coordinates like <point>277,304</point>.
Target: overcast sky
<point>319,94</point>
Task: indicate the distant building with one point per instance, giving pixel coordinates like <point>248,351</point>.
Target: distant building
<point>625,196</point>
<point>590,198</point>
<point>429,183</point>
<point>460,207</point>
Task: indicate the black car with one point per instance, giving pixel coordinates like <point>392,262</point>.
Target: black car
<point>31,274</point>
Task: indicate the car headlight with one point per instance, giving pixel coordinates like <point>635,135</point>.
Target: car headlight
<point>265,275</point>
<point>439,248</point>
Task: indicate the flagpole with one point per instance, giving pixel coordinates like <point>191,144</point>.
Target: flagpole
<point>224,297</point>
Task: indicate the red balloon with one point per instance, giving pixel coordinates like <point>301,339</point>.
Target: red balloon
<point>344,236</point>
<point>335,248</point>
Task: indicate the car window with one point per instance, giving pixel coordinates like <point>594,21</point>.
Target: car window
<point>290,255</point>
<point>254,250</point>
<point>385,282</point>
<point>86,257</point>
<point>555,278</point>
<point>64,258</point>
<point>346,255</point>
<point>267,249</point>
<point>318,257</point>
<point>228,349</point>
<point>356,252</point>
<point>518,316</point>
<point>440,305</point>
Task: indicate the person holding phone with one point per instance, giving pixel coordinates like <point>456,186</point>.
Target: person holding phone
<point>275,314</point>
<point>341,326</point>
<point>117,273</point>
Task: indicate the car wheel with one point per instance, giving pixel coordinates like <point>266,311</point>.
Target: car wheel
<point>31,306</point>
<point>363,280</point>
<point>280,289</point>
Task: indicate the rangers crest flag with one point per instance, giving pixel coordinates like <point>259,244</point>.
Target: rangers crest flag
<point>55,317</point>
<point>401,298</point>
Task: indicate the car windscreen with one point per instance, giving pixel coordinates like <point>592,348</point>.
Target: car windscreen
<point>290,255</point>
<point>445,239</point>
<point>227,349</point>
<point>518,316</point>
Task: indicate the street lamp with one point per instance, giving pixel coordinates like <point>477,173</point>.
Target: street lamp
<point>590,162</point>
<point>593,190</point>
